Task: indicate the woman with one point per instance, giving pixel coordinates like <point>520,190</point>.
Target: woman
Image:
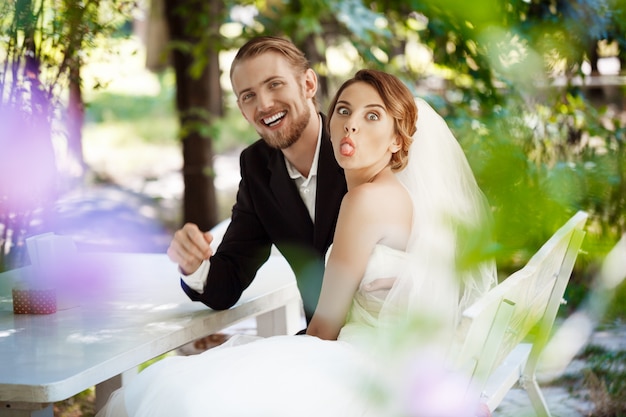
<point>393,261</point>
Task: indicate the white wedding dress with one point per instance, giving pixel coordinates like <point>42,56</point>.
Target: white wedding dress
<point>363,372</point>
<point>276,376</point>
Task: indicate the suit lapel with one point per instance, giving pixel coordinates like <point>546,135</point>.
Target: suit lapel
<point>292,207</point>
<point>331,187</point>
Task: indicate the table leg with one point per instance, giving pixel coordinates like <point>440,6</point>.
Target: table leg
<point>106,388</point>
<point>21,409</point>
<point>284,320</point>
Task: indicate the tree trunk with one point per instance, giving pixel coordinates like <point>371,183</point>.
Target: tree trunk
<point>75,116</point>
<point>198,101</point>
<point>72,63</point>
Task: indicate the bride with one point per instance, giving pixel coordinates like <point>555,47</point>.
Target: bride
<point>392,288</point>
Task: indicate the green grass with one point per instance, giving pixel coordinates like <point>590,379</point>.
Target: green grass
<point>617,307</point>
<point>152,119</point>
<point>605,378</point>
<point>80,405</point>
<point>140,118</point>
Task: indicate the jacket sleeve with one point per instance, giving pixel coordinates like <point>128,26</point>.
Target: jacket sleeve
<point>245,246</point>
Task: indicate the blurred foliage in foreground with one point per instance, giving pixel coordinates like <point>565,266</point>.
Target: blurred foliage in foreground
<point>538,165</point>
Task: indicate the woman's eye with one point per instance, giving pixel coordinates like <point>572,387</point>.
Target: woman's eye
<point>372,116</point>
<point>342,110</point>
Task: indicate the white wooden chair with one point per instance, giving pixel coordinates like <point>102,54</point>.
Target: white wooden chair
<point>576,331</point>
<point>501,336</point>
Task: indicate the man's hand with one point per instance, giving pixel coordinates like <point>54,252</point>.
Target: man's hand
<point>190,247</point>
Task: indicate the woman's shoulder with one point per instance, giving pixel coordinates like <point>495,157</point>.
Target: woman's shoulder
<point>365,197</point>
<point>375,194</point>
<point>386,209</point>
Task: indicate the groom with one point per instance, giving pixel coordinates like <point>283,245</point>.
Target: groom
<point>291,186</point>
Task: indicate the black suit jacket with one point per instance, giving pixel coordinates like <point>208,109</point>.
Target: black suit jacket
<point>269,210</point>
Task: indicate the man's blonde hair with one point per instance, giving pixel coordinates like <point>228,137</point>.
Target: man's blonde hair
<point>263,44</point>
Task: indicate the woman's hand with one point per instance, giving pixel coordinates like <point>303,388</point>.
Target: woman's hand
<point>379,284</point>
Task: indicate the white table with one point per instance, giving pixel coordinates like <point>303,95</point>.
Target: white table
<point>143,314</point>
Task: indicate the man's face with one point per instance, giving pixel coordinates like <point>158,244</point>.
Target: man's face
<point>273,97</point>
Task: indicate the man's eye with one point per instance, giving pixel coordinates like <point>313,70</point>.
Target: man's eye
<point>246,97</point>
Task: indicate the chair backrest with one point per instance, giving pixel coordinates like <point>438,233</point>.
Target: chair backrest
<point>526,301</point>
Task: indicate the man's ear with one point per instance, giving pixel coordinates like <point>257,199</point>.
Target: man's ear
<point>310,83</point>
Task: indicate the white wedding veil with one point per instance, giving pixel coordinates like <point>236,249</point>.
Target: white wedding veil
<point>450,212</point>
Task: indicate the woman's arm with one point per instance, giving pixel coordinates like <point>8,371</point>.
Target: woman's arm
<point>357,232</point>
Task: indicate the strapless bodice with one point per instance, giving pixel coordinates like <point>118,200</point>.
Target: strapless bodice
<point>385,262</point>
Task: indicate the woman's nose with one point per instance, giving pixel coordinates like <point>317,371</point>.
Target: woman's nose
<point>350,127</point>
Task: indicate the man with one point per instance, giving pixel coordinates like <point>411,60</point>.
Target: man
<point>291,186</point>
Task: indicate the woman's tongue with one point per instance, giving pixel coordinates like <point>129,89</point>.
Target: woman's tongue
<point>346,149</point>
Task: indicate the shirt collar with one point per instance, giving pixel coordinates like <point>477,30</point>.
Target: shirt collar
<point>294,173</point>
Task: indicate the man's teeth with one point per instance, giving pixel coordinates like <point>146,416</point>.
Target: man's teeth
<point>273,120</point>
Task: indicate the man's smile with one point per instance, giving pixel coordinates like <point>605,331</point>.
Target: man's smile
<point>274,119</point>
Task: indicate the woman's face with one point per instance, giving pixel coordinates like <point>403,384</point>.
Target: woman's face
<point>361,130</point>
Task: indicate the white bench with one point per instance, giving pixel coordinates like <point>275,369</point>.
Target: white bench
<point>502,335</point>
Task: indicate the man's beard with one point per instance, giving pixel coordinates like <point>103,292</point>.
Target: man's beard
<point>284,138</point>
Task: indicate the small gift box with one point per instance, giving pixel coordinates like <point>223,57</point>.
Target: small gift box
<point>36,290</point>
<point>34,301</point>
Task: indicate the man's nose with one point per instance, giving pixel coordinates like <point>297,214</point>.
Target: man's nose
<point>264,101</point>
